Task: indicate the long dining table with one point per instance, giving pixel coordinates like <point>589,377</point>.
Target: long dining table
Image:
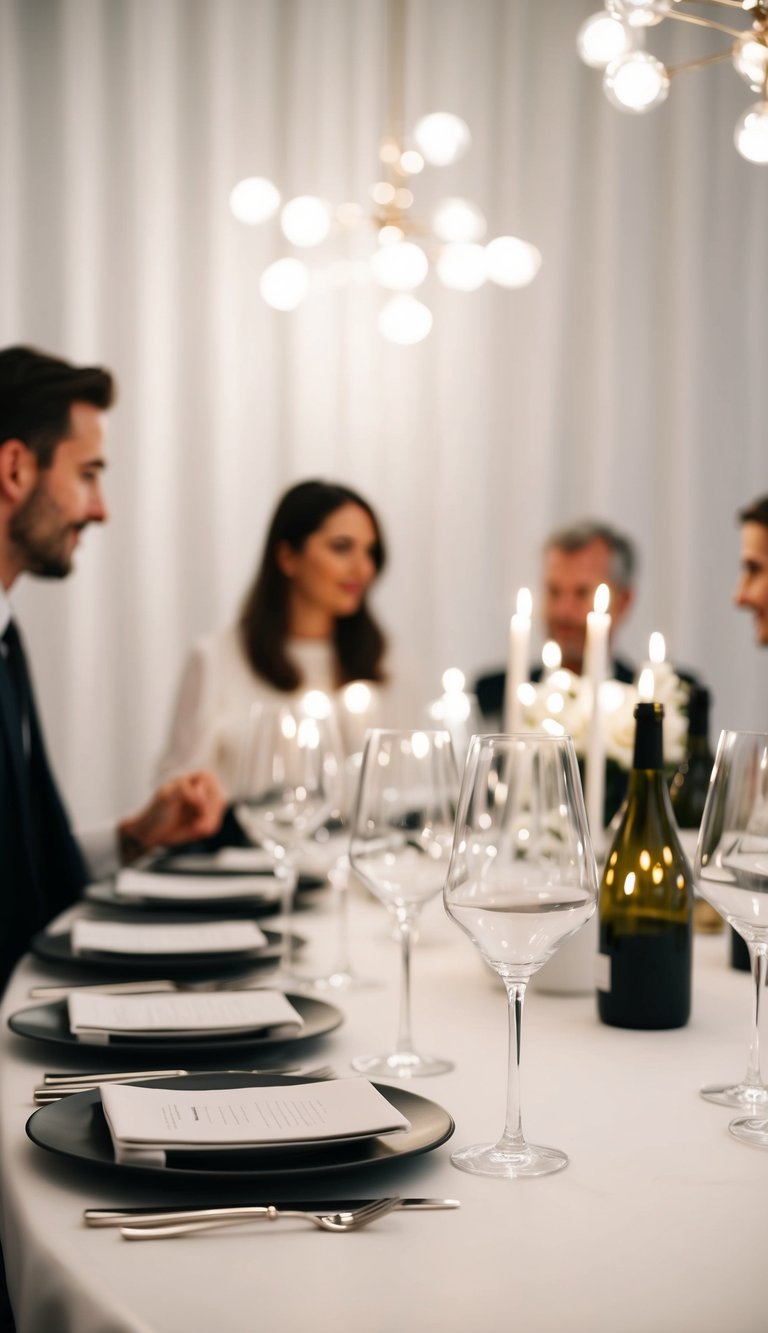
<point>658,1222</point>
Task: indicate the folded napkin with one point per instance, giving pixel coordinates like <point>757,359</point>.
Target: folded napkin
<point>145,1123</point>
<point>95,1017</point>
<point>143,884</point>
<point>189,937</point>
<point>229,860</point>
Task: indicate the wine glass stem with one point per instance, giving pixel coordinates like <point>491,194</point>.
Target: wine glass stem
<point>288,877</point>
<point>758,957</point>
<point>512,1139</point>
<point>404,1038</point>
<point>341,891</point>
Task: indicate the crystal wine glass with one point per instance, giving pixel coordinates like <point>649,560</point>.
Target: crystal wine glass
<point>400,845</point>
<point>521,880</point>
<point>289,784</point>
<point>731,872</point>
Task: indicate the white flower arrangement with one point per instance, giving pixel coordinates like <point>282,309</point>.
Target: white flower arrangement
<point>562,705</point>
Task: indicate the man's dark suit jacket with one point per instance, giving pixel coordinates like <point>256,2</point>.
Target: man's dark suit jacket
<point>41,867</point>
<point>490,689</point>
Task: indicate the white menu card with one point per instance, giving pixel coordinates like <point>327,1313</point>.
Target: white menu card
<point>189,888</point>
<point>145,1122</point>
<point>188,937</point>
<point>96,1017</point>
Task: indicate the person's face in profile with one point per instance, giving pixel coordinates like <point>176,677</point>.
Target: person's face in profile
<point>752,588</point>
<point>64,498</point>
<point>336,565</point>
<point>570,581</point>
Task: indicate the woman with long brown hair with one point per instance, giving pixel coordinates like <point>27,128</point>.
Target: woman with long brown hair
<point>305,624</point>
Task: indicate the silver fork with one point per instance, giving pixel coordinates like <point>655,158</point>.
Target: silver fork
<point>56,1086</point>
<point>353,1220</point>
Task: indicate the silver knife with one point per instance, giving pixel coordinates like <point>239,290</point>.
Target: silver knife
<point>100,1217</point>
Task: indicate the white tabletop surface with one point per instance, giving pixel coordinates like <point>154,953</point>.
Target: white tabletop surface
<point>658,1223</point>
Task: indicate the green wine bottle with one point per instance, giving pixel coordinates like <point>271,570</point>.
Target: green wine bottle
<point>688,790</point>
<point>646,899</point>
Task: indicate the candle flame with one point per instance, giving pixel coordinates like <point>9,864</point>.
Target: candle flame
<point>453,681</point>
<point>524,603</point>
<point>657,649</point>
<point>602,598</point>
<point>646,685</point>
<point>316,705</point>
<point>357,697</point>
<point>551,655</point>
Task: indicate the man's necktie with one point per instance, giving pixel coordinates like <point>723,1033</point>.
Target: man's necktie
<point>14,656</point>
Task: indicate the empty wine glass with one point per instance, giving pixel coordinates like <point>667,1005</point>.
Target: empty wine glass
<point>731,872</point>
<point>288,785</point>
<point>522,879</point>
<point>400,845</point>
<point>330,856</point>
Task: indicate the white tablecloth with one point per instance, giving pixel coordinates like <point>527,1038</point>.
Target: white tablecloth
<point>658,1223</point>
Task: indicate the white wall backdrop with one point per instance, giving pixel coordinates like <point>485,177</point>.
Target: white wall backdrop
<point>628,382</point>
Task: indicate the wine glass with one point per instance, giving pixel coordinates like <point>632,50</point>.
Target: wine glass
<point>522,879</point>
<point>731,872</point>
<point>288,785</point>
<point>400,845</point>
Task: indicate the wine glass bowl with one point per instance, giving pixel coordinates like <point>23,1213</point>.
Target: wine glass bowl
<point>522,879</point>
<point>401,840</point>
<point>289,784</point>
<point>731,873</point>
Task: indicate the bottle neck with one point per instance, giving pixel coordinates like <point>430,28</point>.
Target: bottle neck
<point>649,743</point>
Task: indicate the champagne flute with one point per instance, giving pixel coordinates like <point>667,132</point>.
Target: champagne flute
<point>400,845</point>
<point>522,879</point>
<point>731,872</point>
<point>288,785</point>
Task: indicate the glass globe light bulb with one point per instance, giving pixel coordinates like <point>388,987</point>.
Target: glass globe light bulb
<point>511,262</point>
<point>305,220</point>
<point>458,221</point>
<point>751,135</point>
<point>284,284</point>
<point>602,38</point>
<point>639,13</point>
<point>442,138</point>
<point>254,199</point>
<point>400,267</point>
<point>636,82</point>
<point>750,60</point>
<point>462,267</point>
<point>405,320</point>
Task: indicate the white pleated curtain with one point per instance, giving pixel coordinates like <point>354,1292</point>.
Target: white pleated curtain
<point>627,382</point>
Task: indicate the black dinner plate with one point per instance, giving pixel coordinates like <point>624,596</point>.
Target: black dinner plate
<point>57,948</point>
<point>75,1127</point>
<point>49,1022</point>
<point>255,904</point>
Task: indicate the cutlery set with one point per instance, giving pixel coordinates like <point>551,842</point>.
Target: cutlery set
<point>159,1224</point>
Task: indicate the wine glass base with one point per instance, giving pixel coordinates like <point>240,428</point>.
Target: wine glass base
<point>401,1064</point>
<point>751,1131</point>
<point>335,983</point>
<point>491,1159</point>
<point>742,1096</point>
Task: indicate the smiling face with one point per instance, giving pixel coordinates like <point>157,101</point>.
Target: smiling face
<point>333,570</point>
<point>62,499</point>
<point>570,581</point>
<point>752,589</point>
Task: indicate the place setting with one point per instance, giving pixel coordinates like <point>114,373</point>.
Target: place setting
<point>305,1129</point>
<point>151,944</point>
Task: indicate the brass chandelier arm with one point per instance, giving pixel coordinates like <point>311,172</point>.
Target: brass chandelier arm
<point>686,65</point>
<point>706,23</point>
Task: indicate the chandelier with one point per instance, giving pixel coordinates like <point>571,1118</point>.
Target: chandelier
<point>635,80</point>
<point>402,250</point>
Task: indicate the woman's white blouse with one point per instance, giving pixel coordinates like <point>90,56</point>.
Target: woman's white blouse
<point>217,692</point>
